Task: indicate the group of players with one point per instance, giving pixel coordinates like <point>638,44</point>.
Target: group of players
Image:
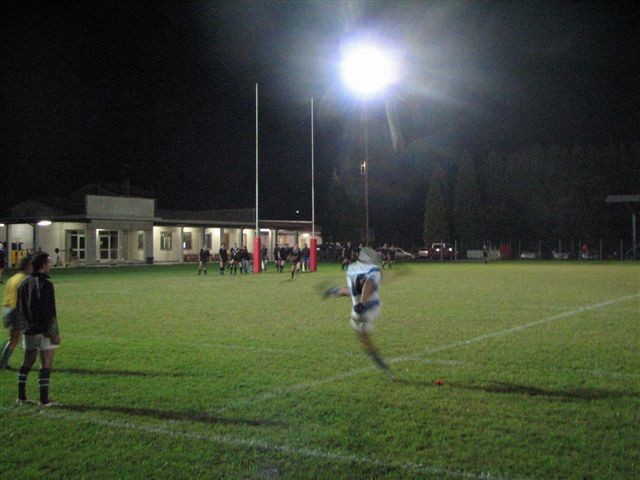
<point>240,258</point>
<point>350,253</point>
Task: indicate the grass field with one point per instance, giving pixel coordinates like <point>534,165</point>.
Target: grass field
<point>164,374</point>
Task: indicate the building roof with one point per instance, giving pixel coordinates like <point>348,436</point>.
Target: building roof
<point>74,209</point>
<point>241,215</point>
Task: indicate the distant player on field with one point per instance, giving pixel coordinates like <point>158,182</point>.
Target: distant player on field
<point>223,257</point>
<point>234,258</point>
<point>204,257</point>
<point>363,286</point>
<point>295,257</point>
<point>384,252</point>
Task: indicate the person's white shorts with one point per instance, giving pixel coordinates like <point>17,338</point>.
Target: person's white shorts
<point>38,342</point>
<point>363,322</point>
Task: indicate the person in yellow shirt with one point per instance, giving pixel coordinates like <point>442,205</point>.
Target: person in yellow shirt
<point>11,318</point>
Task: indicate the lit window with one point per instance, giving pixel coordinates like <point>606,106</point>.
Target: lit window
<point>186,241</point>
<point>165,241</point>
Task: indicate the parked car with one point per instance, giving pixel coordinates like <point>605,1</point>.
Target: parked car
<point>437,251</point>
<point>401,254</point>
<point>560,255</point>
<point>527,255</point>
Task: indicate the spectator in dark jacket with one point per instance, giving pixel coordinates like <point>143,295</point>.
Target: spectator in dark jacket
<point>37,306</point>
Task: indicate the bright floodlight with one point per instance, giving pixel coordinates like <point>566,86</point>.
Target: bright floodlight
<point>44,223</point>
<point>367,70</point>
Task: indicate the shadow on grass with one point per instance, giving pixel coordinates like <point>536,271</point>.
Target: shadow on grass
<point>185,415</point>
<point>413,383</point>
<point>123,373</point>
<point>565,394</point>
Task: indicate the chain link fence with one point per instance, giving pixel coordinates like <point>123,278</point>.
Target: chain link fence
<point>560,249</point>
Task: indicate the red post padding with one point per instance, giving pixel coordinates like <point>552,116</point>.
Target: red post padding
<point>313,259</point>
<point>256,255</point>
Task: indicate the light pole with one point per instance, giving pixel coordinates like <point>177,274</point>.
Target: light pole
<point>366,71</point>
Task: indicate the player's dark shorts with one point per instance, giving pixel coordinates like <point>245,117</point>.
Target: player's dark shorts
<point>11,318</point>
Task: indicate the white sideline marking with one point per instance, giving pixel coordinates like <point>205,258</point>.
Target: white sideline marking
<point>462,343</point>
<point>499,333</point>
<point>254,444</point>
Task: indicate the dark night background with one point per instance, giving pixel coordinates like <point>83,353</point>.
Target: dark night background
<point>162,93</point>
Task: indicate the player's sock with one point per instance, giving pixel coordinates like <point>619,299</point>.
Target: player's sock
<point>43,383</point>
<point>6,353</point>
<point>22,383</point>
<point>205,271</point>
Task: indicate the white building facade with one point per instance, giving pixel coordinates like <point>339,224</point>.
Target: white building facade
<point>112,230</point>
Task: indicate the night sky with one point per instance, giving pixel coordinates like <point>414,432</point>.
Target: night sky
<point>163,92</point>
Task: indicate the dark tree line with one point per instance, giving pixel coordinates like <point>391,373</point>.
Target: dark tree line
<point>420,195</point>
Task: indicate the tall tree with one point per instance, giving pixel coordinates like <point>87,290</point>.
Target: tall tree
<point>468,214</point>
<point>436,227</point>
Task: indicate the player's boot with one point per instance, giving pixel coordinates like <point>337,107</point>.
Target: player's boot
<point>379,362</point>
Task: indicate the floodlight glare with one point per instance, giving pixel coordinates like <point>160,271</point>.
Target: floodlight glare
<point>44,223</point>
<point>367,70</point>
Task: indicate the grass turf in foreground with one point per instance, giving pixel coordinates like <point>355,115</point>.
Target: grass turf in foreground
<point>167,374</point>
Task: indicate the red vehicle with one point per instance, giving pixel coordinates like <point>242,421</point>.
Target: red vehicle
<point>438,251</point>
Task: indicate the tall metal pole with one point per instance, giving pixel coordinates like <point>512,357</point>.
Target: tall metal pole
<point>256,238</point>
<point>366,175</point>
<point>257,228</point>
<point>313,243</point>
<point>313,190</point>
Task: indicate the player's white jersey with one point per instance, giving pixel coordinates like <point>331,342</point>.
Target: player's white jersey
<point>357,274</point>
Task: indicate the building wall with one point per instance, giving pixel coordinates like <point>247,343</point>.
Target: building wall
<point>133,252</point>
<point>21,233</point>
<point>196,240</point>
<point>101,206</point>
<point>173,255</point>
<point>55,236</point>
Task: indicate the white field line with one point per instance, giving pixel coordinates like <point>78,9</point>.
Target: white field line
<point>256,444</point>
<point>405,358</point>
<point>519,328</point>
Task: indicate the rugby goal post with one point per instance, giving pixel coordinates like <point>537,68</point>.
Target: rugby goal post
<point>632,202</point>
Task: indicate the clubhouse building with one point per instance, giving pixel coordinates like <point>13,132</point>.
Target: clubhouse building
<point>104,225</point>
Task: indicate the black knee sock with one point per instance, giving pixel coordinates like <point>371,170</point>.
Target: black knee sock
<point>22,382</point>
<point>43,382</point>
